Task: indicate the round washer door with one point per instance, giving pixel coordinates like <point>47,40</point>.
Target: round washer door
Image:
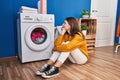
<point>37,37</point>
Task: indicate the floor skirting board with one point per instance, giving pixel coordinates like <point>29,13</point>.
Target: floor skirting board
<point>7,59</point>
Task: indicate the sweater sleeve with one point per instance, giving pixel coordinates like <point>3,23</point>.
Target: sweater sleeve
<point>59,40</point>
<point>76,42</point>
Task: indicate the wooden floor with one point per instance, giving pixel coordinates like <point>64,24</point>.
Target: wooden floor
<point>103,65</point>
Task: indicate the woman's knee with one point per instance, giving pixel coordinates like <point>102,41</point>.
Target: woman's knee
<point>78,56</point>
<point>81,61</point>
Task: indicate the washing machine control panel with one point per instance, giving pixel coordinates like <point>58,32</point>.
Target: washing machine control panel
<point>37,18</point>
<point>44,19</point>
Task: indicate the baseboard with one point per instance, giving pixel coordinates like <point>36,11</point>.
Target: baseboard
<point>7,59</point>
<point>116,44</point>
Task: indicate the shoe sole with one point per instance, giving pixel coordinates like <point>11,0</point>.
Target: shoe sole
<point>49,76</point>
<point>38,74</point>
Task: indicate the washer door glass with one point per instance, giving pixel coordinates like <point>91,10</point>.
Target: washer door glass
<point>38,35</point>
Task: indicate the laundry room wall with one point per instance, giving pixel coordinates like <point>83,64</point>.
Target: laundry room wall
<point>8,28</point>
<point>66,8</point>
<point>118,15</point>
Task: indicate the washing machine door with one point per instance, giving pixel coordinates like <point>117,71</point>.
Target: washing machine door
<point>37,37</point>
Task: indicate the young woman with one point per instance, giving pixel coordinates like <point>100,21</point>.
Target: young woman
<point>69,44</point>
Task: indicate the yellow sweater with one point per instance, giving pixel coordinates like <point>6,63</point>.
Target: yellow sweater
<point>75,42</point>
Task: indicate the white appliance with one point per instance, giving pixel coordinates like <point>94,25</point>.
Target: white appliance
<point>35,36</point>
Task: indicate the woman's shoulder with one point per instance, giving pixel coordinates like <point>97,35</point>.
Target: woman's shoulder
<point>78,34</point>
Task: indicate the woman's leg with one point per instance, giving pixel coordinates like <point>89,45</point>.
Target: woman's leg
<point>53,58</point>
<point>71,59</point>
<point>61,59</point>
<point>55,69</point>
<point>50,62</point>
<point>78,57</point>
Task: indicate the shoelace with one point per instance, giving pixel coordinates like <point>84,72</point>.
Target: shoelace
<point>51,70</point>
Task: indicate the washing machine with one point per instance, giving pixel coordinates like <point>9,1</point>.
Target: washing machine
<point>35,34</point>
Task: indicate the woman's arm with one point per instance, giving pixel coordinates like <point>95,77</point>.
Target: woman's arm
<point>60,38</point>
<point>76,42</point>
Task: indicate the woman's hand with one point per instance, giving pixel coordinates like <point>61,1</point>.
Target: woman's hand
<point>63,31</point>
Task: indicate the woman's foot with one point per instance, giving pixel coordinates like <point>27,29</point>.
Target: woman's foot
<point>54,71</point>
<point>44,68</point>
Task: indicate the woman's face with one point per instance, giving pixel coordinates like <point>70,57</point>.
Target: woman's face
<point>66,26</point>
